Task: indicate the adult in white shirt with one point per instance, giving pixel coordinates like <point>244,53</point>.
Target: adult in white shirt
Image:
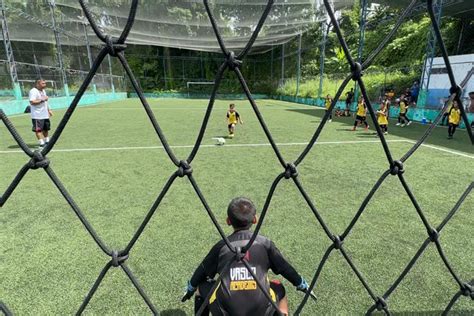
<point>40,112</point>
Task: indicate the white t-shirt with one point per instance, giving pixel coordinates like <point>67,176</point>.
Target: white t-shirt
<point>39,111</point>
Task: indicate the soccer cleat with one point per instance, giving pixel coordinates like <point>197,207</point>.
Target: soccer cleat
<point>408,123</point>
<point>367,127</point>
<point>329,120</point>
<point>385,133</point>
<point>403,125</point>
<point>398,124</point>
<point>231,135</point>
<point>353,129</point>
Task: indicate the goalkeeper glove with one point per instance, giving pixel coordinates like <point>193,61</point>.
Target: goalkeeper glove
<point>303,285</point>
<point>189,292</point>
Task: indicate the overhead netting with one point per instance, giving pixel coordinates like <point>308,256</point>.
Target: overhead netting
<point>179,23</point>
<point>289,169</point>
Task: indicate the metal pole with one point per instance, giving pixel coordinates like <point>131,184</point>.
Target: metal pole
<point>298,70</point>
<point>111,74</point>
<point>164,69</point>
<point>362,24</point>
<point>9,53</point>
<point>88,45</point>
<point>89,52</point>
<point>38,71</point>
<point>271,70</point>
<point>322,54</point>
<point>430,52</point>
<point>464,24</point>
<point>52,6</point>
<point>282,64</point>
<point>202,69</point>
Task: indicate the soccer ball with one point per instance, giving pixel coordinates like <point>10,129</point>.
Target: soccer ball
<point>220,141</point>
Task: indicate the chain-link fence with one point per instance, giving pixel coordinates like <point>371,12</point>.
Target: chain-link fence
<point>232,62</point>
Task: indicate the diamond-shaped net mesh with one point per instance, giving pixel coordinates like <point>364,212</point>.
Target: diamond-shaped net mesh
<point>115,46</point>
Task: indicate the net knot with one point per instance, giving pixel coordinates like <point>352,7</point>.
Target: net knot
<point>38,161</point>
<point>233,62</point>
<point>433,233</point>
<point>239,254</point>
<point>118,258</point>
<point>290,171</point>
<point>356,70</point>
<point>112,47</point>
<point>456,89</point>
<point>337,242</point>
<point>184,169</point>
<point>467,290</point>
<point>380,304</point>
<point>397,168</point>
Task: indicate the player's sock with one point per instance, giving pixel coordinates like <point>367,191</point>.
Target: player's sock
<point>41,142</point>
<point>46,140</point>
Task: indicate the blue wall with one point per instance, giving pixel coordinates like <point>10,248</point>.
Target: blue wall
<point>18,106</point>
<point>415,114</point>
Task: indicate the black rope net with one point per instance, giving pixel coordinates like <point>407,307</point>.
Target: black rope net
<point>115,47</point>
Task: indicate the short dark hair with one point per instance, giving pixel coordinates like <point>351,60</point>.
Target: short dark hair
<point>38,80</point>
<point>241,212</point>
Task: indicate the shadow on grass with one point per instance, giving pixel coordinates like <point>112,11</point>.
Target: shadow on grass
<point>16,146</point>
<point>173,312</point>
<point>438,137</point>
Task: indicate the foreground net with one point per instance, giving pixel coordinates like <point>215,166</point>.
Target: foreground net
<point>115,48</point>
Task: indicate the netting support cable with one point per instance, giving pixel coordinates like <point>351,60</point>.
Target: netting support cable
<point>114,47</point>
<point>77,210</point>
<point>314,280</point>
<point>429,239</point>
<point>215,88</point>
<point>150,213</point>
<point>67,115</point>
<point>94,288</point>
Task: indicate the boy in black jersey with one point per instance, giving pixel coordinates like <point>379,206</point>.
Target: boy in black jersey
<point>238,292</point>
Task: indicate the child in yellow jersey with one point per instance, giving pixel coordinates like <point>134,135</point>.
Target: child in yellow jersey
<point>233,118</point>
<point>402,117</point>
<point>446,114</point>
<point>327,104</point>
<point>361,115</point>
<point>382,116</point>
<point>454,119</point>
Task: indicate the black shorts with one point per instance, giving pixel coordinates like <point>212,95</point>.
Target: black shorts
<point>361,118</point>
<point>40,125</point>
<point>275,285</point>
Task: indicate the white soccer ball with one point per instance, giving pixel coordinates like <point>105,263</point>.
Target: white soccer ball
<point>220,140</point>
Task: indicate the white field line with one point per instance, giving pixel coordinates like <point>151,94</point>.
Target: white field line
<point>248,145</point>
<point>203,109</point>
<point>209,146</point>
<point>455,152</point>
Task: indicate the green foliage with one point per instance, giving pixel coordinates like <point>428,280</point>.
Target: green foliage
<point>375,83</point>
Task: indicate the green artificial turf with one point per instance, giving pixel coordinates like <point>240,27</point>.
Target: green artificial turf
<point>111,162</point>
